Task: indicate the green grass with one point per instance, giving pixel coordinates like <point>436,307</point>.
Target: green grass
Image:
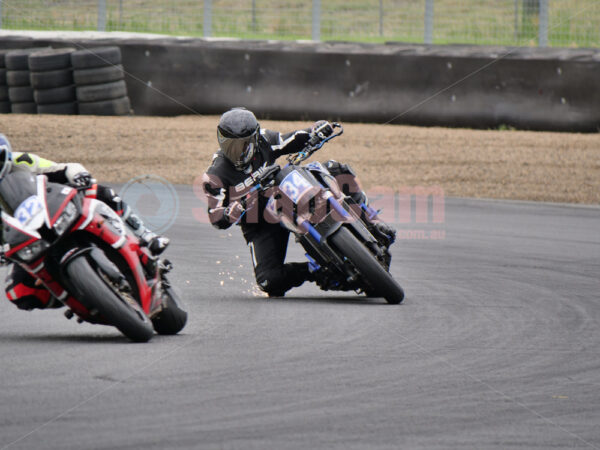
<point>572,23</point>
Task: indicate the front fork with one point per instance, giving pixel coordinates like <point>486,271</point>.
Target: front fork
<point>159,285</point>
<point>320,253</point>
<point>98,259</point>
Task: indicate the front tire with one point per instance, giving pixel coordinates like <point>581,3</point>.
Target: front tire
<point>380,282</point>
<point>97,294</point>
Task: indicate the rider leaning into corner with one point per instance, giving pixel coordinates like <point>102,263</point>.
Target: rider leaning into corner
<point>21,288</point>
<point>245,148</point>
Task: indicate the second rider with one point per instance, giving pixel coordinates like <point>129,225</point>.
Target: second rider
<point>245,149</point>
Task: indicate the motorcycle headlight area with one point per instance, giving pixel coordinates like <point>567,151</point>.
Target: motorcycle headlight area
<point>66,219</point>
<point>111,217</point>
<point>32,251</point>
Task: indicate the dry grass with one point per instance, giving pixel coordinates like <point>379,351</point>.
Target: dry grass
<point>571,22</point>
<point>557,167</point>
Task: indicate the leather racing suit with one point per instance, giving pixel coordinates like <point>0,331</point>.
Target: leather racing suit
<point>223,184</point>
<point>20,286</point>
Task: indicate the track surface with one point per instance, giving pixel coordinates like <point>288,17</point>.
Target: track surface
<point>497,346</point>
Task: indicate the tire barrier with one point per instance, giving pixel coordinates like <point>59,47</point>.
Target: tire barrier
<point>99,81</point>
<point>51,77</point>
<point>4,101</point>
<point>63,80</point>
<point>20,91</point>
<point>550,89</point>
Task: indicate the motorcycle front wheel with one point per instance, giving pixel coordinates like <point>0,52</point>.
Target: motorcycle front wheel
<point>380,282</point>
<point>98,295</point>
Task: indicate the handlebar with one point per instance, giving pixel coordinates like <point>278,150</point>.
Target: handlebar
<point>297,158</point>
<point>265,180</point>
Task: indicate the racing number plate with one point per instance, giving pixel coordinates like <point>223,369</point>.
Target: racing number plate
<point>28,209</point>
<point>294,185</point>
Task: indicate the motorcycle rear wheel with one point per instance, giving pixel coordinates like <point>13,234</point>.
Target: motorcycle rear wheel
<point>381,283</point>
<point>97,294</point>
<point>172,318</point>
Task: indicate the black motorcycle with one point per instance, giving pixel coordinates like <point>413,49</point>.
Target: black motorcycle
<point>344,250</point>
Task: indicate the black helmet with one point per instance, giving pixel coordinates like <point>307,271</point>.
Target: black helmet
<point>5,155</point>
<point>238,132</point>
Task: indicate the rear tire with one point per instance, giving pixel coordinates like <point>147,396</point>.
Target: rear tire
<point>102,92</point>
<point>16,78</point>
<point>98,75</point>
<point>24,108</point>
<point>51,79</point>
<point>381,282</point>
<point>96,57</point>
<point>50,59</point>
<point>117,107</point>
<point>63,94</point>
<point>172,319</point>
<point>68,108</point>
<point>21,94</point>
<point>19,59</point>
<point>97,294</point>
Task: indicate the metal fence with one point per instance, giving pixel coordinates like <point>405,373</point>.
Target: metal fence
<point>560,23</point>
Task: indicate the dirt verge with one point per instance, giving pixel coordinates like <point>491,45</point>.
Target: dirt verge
<point>557,167</point>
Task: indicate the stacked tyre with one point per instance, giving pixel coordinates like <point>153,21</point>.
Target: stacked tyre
<point>20,92</point>
<point>52,81</point>
<point>99,80</point>
<point>4,101</point>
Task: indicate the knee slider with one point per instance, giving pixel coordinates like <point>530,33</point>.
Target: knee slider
<point>272,282</point>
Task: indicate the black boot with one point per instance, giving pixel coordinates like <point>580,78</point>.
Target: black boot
<point>155,243</point>
<point>158,244</point>
<point>385,232</point>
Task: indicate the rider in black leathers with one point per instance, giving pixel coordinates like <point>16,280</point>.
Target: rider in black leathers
<point>245,149</point>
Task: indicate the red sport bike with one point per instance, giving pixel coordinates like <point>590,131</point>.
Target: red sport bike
<point>79,249</point>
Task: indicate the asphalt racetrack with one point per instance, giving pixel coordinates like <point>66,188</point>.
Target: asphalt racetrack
<point>497,346</point>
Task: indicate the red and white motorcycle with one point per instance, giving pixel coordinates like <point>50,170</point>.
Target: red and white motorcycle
<point>79,249</point>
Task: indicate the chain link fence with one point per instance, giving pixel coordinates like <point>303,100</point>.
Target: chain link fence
<point>558,23</point>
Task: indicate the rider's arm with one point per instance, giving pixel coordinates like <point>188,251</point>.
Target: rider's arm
<point>218,201</point>
<point>57,172</point>
<point>284,144</point>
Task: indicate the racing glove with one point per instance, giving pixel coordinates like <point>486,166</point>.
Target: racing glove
<point>76,170</point>
<point>320,131</point>
<point>82,180</point>
<point>234,212</point>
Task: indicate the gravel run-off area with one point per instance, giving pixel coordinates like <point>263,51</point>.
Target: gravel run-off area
<point>508,164</point>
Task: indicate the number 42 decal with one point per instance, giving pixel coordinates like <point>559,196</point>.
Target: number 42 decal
<point>28,209</point>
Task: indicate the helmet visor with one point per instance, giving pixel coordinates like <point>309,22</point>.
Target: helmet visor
<point>238,150</point>
<point>5,156</point>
